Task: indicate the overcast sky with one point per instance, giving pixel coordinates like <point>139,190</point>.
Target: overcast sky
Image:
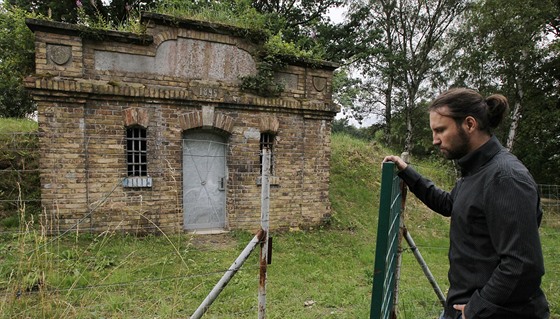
<point>336,14</point>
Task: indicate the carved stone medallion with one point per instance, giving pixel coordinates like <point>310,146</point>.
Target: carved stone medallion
<point>59,54</point>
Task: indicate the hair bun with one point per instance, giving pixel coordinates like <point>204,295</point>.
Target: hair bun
<point>497,109</point>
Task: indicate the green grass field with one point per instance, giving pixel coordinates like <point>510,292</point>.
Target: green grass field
<point>325,272</point>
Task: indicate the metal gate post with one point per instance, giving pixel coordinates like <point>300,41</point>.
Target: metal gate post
<point>265,207</point>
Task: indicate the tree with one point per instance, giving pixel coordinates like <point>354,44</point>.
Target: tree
<point>60,10</point>
<point>410,49</point>
<point>423,27</point>
<point>504,47</point>
<point>17,60</point>
<point>376,59</point>
<point>17,49</point>
<point>538,139</point>
<point>302,22</point>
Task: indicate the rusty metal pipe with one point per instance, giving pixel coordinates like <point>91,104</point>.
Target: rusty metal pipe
<point>228,275</point>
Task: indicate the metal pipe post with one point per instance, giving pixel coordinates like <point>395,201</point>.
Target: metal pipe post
<point>265,212</point>
<point>227,276</point>
<point>425,268</point>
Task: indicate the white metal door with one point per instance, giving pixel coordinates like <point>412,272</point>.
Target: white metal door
<point>204,171</point>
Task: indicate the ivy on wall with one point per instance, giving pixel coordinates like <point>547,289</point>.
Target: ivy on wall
<point>275,55</point>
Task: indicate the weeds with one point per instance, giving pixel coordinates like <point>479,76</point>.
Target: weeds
<point>322,273</point>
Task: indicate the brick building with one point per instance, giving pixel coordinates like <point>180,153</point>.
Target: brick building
<point>152,132</point>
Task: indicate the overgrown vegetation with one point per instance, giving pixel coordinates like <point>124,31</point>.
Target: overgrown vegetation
<point>19,174</point>
<point>274,56</point>
<point>238,13</point>
<point>324,272</point>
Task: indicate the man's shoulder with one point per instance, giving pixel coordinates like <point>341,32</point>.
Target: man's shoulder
<point>507,165</point>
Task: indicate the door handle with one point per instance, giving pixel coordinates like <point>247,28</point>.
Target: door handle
<point>222,185</point>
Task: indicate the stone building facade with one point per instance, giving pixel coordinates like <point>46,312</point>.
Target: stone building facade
<point>147,133</point>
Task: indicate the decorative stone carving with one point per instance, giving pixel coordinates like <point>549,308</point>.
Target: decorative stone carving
<point>319,83</point>
<point>59,54</point>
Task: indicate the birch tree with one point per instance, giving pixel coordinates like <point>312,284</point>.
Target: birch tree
<point>422,34</point>
<point>504,46</point>
<point>407,56</point>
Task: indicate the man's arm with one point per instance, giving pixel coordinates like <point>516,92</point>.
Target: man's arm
<point>425,190</point>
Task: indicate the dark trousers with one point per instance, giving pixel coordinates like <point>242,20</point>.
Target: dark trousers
<point>442,317</point>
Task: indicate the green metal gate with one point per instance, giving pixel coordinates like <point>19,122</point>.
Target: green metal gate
<point>384,275</point>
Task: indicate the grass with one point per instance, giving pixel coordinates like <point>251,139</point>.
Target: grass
<point>324,272</point>
<point>18,169</point>
<point>11,125</point>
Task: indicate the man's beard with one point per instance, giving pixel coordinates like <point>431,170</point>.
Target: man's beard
<point>461,147</point>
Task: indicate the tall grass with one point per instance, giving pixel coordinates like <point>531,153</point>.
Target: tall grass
<point>325,272</point>
<point>19,175</point>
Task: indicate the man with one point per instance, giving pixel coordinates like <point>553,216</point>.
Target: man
<point>495,255</point>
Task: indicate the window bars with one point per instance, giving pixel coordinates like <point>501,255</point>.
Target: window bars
<point>136,151</point>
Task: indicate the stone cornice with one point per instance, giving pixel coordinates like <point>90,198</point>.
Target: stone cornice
<point>46,87</point>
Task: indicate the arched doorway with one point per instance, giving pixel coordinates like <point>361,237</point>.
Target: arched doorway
<point>204,180</point>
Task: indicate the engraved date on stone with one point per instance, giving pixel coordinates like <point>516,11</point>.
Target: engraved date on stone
<point>208,92</point>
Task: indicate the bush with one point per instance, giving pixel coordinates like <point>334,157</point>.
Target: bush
<point>19,171</point>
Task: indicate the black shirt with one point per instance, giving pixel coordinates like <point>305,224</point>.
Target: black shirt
<point>495,255</point>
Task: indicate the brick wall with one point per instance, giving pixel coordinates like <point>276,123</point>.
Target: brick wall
<point>90,86</point>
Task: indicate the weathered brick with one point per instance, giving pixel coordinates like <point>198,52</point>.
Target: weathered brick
<point>83,147</point>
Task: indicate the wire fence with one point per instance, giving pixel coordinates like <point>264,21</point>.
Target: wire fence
<point>160,274</point>
<point>63,218</point>
<point>550,197</point>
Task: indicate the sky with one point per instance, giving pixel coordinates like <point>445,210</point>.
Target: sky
<point>336,14</point>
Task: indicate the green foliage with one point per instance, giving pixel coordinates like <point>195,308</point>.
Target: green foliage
<point>300,22</point>
<point>17,60</point>
<point>19,175</point>
<point>346,89</point>
<point>125,14</point>
<point>238,13</point>
<point>274,56</point>
<point>538,139</point>
<point>365,133</point>
<point>277,46</point>
<point>264,83</point>
<point>61,10</point>
<point>501,43</point>
<point>509,47</point>
<point>422,146</point>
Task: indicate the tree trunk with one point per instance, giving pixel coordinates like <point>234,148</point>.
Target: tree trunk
<point>517,109</point>
<point>516,116</point>
<point>388,8</point>
<point>388,109</point>
<point>408,139</point>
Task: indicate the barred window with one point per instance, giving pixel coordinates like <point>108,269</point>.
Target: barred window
<point>267,142</point>
<point>136,151</point>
